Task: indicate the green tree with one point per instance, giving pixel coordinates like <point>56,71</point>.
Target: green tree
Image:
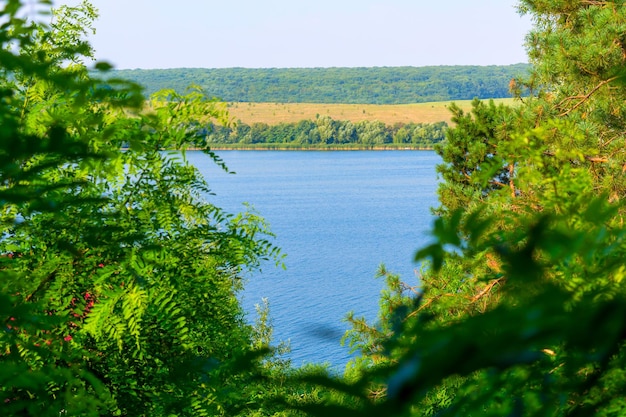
<point>521,305</point>
<point>372,132</point>
<point>472,147</point>
<point>346,132</point>
<point>327,129</point>
<point>577,50</point>
<point>401,134</point>
<point>118,279</point>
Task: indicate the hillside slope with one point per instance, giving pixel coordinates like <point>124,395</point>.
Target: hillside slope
<point>390,114</point>
<point>377,85</point>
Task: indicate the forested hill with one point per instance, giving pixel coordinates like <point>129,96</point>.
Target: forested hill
<point>375,85</point>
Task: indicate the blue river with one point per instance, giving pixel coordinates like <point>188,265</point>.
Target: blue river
<point>337,216</point>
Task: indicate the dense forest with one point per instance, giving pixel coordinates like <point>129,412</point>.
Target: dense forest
<point>119,280</point>
<point>381,85</point>
<point>326,131</point>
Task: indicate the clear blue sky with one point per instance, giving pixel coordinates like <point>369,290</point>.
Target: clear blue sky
<point>307,33</point>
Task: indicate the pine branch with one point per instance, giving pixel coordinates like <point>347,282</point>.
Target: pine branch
<point>583,98</point>
<point>486,290</point>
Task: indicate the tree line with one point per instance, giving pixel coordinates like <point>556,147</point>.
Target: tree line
<point>326,131</point>
<point>377,85</point>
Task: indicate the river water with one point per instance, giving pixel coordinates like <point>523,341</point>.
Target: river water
<point>337,216</point>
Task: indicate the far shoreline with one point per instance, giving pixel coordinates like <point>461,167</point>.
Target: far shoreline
<point>266,147</point>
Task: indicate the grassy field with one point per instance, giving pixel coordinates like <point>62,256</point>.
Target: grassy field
<point>275,113</point>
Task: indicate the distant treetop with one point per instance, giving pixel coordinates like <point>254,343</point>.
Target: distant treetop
<point>375,85</point>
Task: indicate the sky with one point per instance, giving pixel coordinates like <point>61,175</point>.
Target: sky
<point>307,33</point>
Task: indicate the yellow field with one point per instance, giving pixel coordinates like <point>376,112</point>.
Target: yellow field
<point>275,113</point>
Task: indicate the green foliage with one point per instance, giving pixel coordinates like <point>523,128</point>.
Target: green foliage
<point>118,280</point>
<point>521,297</point>
<point>381,85</point>
<point>326,131</point>
<point>471,150</point>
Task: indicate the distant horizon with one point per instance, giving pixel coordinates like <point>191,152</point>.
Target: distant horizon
<point>330,67</point>
<point>307,34</point>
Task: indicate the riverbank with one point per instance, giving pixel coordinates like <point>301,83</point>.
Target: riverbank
<point>316,147</point>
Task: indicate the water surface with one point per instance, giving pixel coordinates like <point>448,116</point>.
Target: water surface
<point>337,216</point>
